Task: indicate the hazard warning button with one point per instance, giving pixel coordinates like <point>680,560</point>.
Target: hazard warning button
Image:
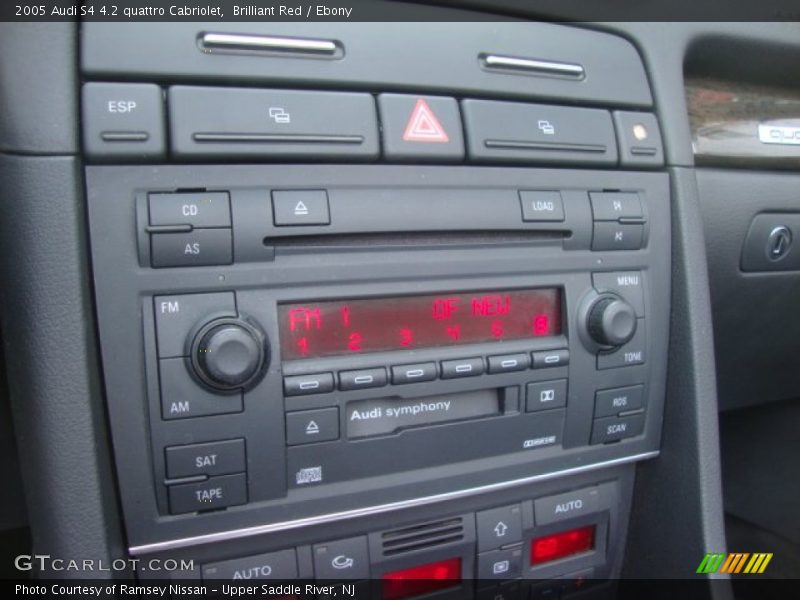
<point>421,128</point>
<point>300,207</point>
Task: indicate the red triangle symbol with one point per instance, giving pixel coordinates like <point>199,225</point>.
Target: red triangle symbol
<point>423,126</point>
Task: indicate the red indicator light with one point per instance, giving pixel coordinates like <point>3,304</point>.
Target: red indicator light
<point>541,325</point>
<point>346,316</point>
<point>454,331</point>
<point>497,329</point>
<point>443,308</point>
<point>562,544</point>
<point>354,342</point>
<point>406,337</point>
<point>339,327</point>
<point>422,579</point>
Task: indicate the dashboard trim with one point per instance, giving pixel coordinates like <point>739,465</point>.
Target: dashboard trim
<point>234,534</point>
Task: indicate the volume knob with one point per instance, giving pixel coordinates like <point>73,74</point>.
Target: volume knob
<point>229,354</point>
<point>612,321</point>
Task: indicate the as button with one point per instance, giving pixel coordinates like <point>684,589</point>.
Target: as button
<point>201,247</point>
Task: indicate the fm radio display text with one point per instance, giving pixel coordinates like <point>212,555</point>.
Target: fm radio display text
<point>332,328</point>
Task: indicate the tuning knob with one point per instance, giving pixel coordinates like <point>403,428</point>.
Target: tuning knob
<point>229,354</point>
<point>612,321</point>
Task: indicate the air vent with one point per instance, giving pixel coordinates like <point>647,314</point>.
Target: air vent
<point>418,537</point>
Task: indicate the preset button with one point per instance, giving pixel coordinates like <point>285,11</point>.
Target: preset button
<point>413,373</point>
<point>300,385</point>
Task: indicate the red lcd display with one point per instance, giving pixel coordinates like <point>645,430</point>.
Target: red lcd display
<point>331,328</point>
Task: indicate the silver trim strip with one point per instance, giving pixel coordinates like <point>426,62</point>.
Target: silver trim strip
<point>788,135</point>
<point>234,534</point>
<point>540,67</point>
<point>233,41</point>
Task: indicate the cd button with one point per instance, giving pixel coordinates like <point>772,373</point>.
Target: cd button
<point>465,367</point>
<point>413,373</point>
<point>300,385</point>
<point>509,362</point>
<point>364,378</point>
<point>202,209</point>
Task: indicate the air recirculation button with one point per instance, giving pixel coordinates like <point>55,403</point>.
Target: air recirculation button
<point>229,354</point>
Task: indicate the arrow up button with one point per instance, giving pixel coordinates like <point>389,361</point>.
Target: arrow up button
<point>499,527</point>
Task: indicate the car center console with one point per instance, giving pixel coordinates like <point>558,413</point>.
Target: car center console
<point>373,314</point>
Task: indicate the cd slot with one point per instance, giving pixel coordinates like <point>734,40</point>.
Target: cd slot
<point>300,219</point>
<point>427,239</point>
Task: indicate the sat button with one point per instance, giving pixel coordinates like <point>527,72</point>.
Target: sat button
<point>213,458</point>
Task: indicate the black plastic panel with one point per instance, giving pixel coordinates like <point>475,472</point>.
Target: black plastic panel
<point>756,332</point>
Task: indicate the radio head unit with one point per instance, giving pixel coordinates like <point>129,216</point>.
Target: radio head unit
<point>388,357</point>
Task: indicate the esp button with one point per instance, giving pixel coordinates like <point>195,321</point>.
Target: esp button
<point>123,120</point>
